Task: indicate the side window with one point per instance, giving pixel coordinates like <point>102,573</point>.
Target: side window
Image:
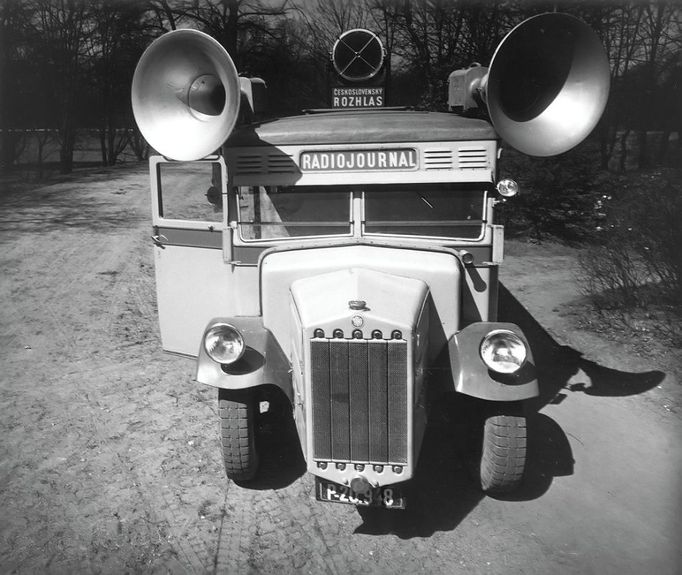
<point>190,191</point>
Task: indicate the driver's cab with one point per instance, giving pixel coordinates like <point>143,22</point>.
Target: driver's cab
<point>284,183</point>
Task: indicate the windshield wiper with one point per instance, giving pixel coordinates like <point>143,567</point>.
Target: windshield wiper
<point>423,199</point>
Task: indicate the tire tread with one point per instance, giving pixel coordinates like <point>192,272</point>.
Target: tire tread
<point>237,411</point>
<point>504,448</point>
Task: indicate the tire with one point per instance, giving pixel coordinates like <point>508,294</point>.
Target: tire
<point>238,411</point>
<point>503,448</point>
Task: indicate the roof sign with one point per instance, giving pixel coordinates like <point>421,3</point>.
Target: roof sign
<point>346,97</point>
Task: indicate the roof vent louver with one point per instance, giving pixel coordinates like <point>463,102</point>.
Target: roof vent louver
<point>473,158</point>
<point>438,159</point>
<point>249,164</point>
<point>280,164</point>
<point>265,163</point>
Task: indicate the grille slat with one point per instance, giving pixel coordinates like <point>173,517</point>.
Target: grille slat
<point>378,400</point>
<point>359,400</point>
<point>359,422</point>
<point>340,423</point>
<point>397,391</point>
<point>321,398</point>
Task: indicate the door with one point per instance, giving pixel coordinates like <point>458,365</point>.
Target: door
<point>191,247</point>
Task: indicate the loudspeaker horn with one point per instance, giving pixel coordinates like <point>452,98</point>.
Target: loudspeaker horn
<point>547,85</point>
<point>185,95</point>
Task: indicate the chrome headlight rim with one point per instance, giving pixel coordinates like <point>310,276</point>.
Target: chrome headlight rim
<point>507,188</point>
<point>518,347</point>
<point>224,331</point>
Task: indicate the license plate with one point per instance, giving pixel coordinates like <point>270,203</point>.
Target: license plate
<point>389,497</point>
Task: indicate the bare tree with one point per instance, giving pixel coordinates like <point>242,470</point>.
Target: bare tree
<point>61,29</point>
<point>42,138</point>
<point>164,12</point>
<point>657,40</point>
<point>233,22</point>
<point>440,36</point>
<point>386,18</point>
<point>114,47</point>
<point>618,27</point>
<point>14,19</point>
<point>324,21</point>
<point>642,41</point>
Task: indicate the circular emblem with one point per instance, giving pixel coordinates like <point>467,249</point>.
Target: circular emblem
<point>358,55</point>
<point>357,321</point>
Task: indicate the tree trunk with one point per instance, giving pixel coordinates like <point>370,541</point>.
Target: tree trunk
<point>663,149</point>
<point>111,136</point>
<point>642,155</point>
<point>68,137</point>
<point>623,150</point>
<point>5,136</point>
<point>42,139</point>
<point>232,30</point>
<point>8,148</point>
<point>103,145</point>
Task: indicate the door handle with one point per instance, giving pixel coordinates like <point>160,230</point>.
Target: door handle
<point>158,240</point>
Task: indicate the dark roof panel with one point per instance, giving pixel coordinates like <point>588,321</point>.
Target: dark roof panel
<point>362,127</point>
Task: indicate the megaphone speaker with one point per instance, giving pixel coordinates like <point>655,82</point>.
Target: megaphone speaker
<point>548,84</point>
<point>185,95</point>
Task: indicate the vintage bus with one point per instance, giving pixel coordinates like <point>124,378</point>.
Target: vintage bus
<point>350,257</point>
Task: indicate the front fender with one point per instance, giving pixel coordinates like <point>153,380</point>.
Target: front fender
<point>472,377</point>
<point>263,361</point>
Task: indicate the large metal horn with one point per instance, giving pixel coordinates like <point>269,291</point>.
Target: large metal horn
<point>185,95</point>
<point>548,84</point>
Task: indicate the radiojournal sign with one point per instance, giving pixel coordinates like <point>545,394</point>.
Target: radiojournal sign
<point>353,160</point>
<point>343,97</point>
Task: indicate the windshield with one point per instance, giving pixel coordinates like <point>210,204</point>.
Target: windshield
<point>441,210</point>
<point>271,212</point>
<point>423,210</point>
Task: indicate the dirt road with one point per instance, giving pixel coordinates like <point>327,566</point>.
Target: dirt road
<point>110,462</point>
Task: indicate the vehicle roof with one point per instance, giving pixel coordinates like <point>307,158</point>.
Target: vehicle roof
<point>362,127</point>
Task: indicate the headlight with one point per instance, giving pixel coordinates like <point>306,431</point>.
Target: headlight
<point>503,351</point>
<point>223,343</point>
<point>507,188</point>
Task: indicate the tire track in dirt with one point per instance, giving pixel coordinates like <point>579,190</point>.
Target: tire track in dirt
<point>52,285</point>
<point>286,532</point>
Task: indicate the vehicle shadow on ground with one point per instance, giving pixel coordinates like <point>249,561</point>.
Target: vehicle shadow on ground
<point>444,491</point>
<point>558,364</point>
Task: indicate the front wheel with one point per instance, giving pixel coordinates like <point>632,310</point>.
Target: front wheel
<point>503,447</point>
<point>238,410</point>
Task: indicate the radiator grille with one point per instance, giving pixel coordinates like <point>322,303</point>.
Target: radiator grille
<point>359,400</point>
